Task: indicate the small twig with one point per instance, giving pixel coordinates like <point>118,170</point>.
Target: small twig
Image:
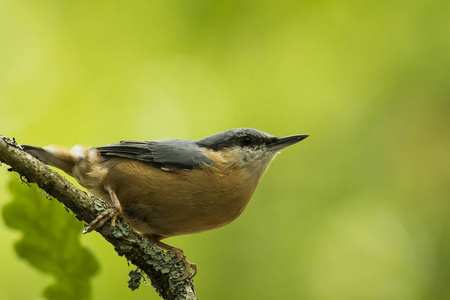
<point>149,258</point>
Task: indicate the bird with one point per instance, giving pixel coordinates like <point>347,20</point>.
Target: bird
<point>172,187</point>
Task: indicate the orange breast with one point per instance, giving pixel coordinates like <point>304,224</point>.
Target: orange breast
<point>179,202</point>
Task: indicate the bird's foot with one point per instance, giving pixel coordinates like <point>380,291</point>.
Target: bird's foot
<point>179,256</point>
<point>109,214</point>
<point>101,219</point>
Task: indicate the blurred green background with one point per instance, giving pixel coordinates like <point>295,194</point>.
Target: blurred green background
<point>359,210</point>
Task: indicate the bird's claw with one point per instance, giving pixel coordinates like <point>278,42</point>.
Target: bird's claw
<point>180,257</point>
<point>187,265</point>
<point>101,219</point>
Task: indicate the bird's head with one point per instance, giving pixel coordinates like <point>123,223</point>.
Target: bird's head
<point>248,148</point>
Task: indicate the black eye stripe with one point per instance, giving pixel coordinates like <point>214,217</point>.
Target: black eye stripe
<point>245,140</point>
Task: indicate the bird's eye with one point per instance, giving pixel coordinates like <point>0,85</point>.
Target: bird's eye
<point>246,141</point>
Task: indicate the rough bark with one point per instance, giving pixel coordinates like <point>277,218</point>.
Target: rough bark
<point>157,264</point>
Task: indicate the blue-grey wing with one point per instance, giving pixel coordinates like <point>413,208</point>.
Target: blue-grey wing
<point>167,154</point>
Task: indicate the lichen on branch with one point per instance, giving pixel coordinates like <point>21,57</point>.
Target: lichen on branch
<point>157,264</point>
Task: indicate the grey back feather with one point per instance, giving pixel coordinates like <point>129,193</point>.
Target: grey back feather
<point>167,154</point>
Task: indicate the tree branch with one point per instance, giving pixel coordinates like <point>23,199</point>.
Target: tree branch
<point>157,264</point>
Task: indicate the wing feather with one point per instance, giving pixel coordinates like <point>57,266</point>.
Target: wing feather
<point>166,154</point>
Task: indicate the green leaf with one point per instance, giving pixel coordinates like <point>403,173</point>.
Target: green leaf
<point>50,242</point>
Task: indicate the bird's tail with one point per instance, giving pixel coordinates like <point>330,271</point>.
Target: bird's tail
<point>82,163</point>
<point>79,159</point>
<point>56,156</point>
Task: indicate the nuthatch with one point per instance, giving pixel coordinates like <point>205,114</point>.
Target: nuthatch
<point>171,187</point>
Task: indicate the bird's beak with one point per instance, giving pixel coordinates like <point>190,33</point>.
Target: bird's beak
<point>283,142</point>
